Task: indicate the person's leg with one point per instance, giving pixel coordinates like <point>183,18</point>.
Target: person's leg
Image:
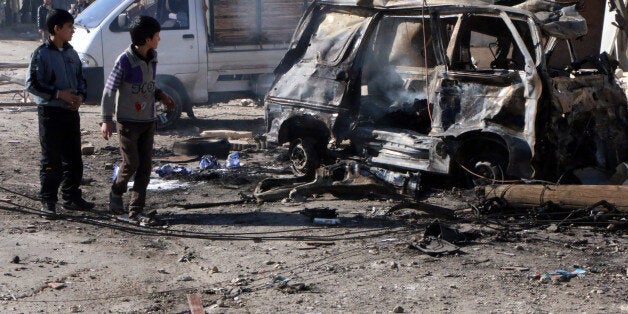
<point>142,176</point>
<point>51,141</point>
<point>128,137</point>
<point>71,157</point>
<point>72,163</point>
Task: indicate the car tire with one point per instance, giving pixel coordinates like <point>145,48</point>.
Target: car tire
<point>168,119</point>
<point>304,157</point>
<point>199,146</point>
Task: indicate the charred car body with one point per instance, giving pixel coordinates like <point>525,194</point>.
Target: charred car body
<point>445,87</point>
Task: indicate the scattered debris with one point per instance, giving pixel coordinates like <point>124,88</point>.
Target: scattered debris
<point>284,285</point>
<point>431,209</point>
<point>15,259</point>
<point>243,199</point>
<point>170,170</point>
<point>195,303</point>
<point>208,162</point>
<point>233,160</point>
<point>185,278</point>
<point>344,180</point>
<point>438,239</point>
<point>517,268</point>
<point>187,257</point>
<point>56,285</point>
<point>557,276</point>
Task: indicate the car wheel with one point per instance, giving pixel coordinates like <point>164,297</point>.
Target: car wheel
<point>484,169</point>
<point>304,157</point>
<point>167,119</point>
<point>199,146</point>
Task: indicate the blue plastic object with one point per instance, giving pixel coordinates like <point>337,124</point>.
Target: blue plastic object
<point>208,162</point>
<point>233,160</point>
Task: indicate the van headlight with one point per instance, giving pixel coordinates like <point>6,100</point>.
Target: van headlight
<point>87,60</point>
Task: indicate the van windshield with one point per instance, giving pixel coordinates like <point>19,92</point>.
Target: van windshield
<point>95,13</point>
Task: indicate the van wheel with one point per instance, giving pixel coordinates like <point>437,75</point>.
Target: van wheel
<point>304,157</point>
<point>167,119</point>
<point>483,169</point>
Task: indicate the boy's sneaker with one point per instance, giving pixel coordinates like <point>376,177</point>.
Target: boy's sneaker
<point>78,204</point>
<point>116,204</point>
<point>49,208</point>
<point>146,219</point>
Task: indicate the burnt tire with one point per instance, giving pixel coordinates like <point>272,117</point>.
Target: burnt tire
<point>304,156</point>
<point>199,146</point>
<point>167,119</point>
<point>482,163</point>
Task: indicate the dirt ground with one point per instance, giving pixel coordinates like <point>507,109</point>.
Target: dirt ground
<point>268,258</point>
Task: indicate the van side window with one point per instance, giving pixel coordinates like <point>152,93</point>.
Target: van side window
<point>171,14</point>
<point>484,43</point>
<point>174,14</point>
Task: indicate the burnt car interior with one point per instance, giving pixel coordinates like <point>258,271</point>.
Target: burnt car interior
<point>394,73</point>
<point>400,62</point>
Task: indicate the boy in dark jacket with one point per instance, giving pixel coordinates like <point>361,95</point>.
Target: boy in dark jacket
<point>129,97</point>
<point>55,78</point>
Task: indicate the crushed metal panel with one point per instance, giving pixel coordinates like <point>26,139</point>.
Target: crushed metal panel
<point>401,148</point>
<point>317,74</point>
<point>556,19</point>
<point>590,127</point>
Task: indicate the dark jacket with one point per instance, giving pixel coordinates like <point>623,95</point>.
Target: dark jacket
<point>51,70</point>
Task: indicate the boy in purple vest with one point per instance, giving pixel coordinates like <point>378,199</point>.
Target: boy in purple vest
<point>129,99</point>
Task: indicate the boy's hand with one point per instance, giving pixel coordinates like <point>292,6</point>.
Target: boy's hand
<point>167,101</point>
<point>106,129</point>
<point>74,101</point>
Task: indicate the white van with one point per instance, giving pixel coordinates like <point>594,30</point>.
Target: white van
<point>207,46</point>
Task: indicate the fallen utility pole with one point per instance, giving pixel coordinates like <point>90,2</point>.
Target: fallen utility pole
<point>566,196</point>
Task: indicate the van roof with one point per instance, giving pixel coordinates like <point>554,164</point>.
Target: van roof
<point>418,4</point>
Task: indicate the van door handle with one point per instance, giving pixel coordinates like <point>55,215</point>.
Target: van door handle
<point>186,36</point>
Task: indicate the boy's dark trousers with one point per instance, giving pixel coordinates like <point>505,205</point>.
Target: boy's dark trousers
<point>136,148</point>
<point>61,161</point>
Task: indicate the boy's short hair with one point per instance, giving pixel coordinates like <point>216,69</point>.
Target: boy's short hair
<point>57,17</point>
<point>143,27</point>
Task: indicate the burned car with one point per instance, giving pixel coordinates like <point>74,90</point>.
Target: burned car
<point>445,87</point>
